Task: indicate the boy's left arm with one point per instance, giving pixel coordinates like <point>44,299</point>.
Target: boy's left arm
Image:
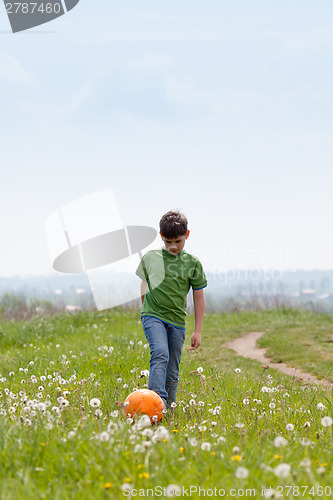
<point>199,310</point>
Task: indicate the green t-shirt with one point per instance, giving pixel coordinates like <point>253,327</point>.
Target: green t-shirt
<point>169,279</point>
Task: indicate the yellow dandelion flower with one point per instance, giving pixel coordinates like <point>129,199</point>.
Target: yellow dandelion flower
<point>140,466</point>
<point>277,456</point>
<point>100,359</point>
<point>323,465</point>
<point>127,480</point>
<point>165,440</point>
<point>144,475</point>
<point>213,453</point>
<point>42,444</point>
<point>181,450</point>
<point>175,430</point>
<point>238,458</point>
<point>107,485</point>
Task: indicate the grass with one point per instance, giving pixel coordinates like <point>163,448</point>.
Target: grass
<point>223,427</point>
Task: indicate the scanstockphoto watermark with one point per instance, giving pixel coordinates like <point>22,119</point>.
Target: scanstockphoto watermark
<point>26,15</point>
<point>182,491</point>
<point>174,490</point>
<point>87,236</point>
<point>250,275</point>
<point>180,272</point>
<point>266,257</point>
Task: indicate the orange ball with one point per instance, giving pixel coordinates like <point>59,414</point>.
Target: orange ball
<point>144,401</point>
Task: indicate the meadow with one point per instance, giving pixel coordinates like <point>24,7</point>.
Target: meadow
<point>237,430</point>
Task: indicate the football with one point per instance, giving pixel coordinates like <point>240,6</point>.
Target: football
<point>144,401</point>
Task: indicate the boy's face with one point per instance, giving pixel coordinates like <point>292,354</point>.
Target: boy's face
<point>175,245</point>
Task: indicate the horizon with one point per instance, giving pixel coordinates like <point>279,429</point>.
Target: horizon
<point>55,274</point>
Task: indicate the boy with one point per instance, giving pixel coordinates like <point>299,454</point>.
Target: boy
<point>167,275</point>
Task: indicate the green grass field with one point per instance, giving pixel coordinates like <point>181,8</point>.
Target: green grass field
<point>225,432</point>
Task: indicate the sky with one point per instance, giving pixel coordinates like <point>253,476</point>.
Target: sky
<point>220,109</point>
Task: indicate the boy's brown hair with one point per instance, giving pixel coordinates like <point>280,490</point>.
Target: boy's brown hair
<point>173,224</point>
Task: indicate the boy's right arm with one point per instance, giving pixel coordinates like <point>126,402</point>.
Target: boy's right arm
<point>143,289</point>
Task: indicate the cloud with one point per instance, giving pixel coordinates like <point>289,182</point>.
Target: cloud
<point>12,71</point>
<point>79,98</point>
<point>152,62</point>
<point>161,36</point>
<point>314,40</point>
<point>66,108</point>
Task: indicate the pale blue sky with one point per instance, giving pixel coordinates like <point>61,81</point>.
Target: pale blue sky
<point>222,109</point>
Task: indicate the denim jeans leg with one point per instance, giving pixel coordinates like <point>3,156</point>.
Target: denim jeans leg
<point>176,338</point>
<point>157,337</point>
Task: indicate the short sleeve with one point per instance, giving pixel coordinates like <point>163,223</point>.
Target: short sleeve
<point>198,278</point>
<point>142,270</point>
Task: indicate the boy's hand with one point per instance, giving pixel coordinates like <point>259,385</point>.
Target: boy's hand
<point>196,340</point>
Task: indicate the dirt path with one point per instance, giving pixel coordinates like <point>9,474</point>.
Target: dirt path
<point>246,346</point>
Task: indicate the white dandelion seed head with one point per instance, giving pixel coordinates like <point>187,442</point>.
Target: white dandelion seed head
<point>320,406</point>
<point>270,493</point>
<point>126,488</point>
<point>160,434</point>
<point>282,470</point>
<point>143,422</point>
<point>205,446</point>
<point>95,402</point>
<point>221,439</point>
<point>280,442</point>
<point>104,436</point>
<point>305,442</point>
<point>289,427</point>
<point>241,472</point>
<point>139,448</point>
<point>173,490</point>
<point>326,421</point>
<point>306,462</point>
<point>147,432</point>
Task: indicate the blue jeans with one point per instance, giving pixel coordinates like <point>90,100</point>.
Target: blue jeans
<point>165,342</point>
